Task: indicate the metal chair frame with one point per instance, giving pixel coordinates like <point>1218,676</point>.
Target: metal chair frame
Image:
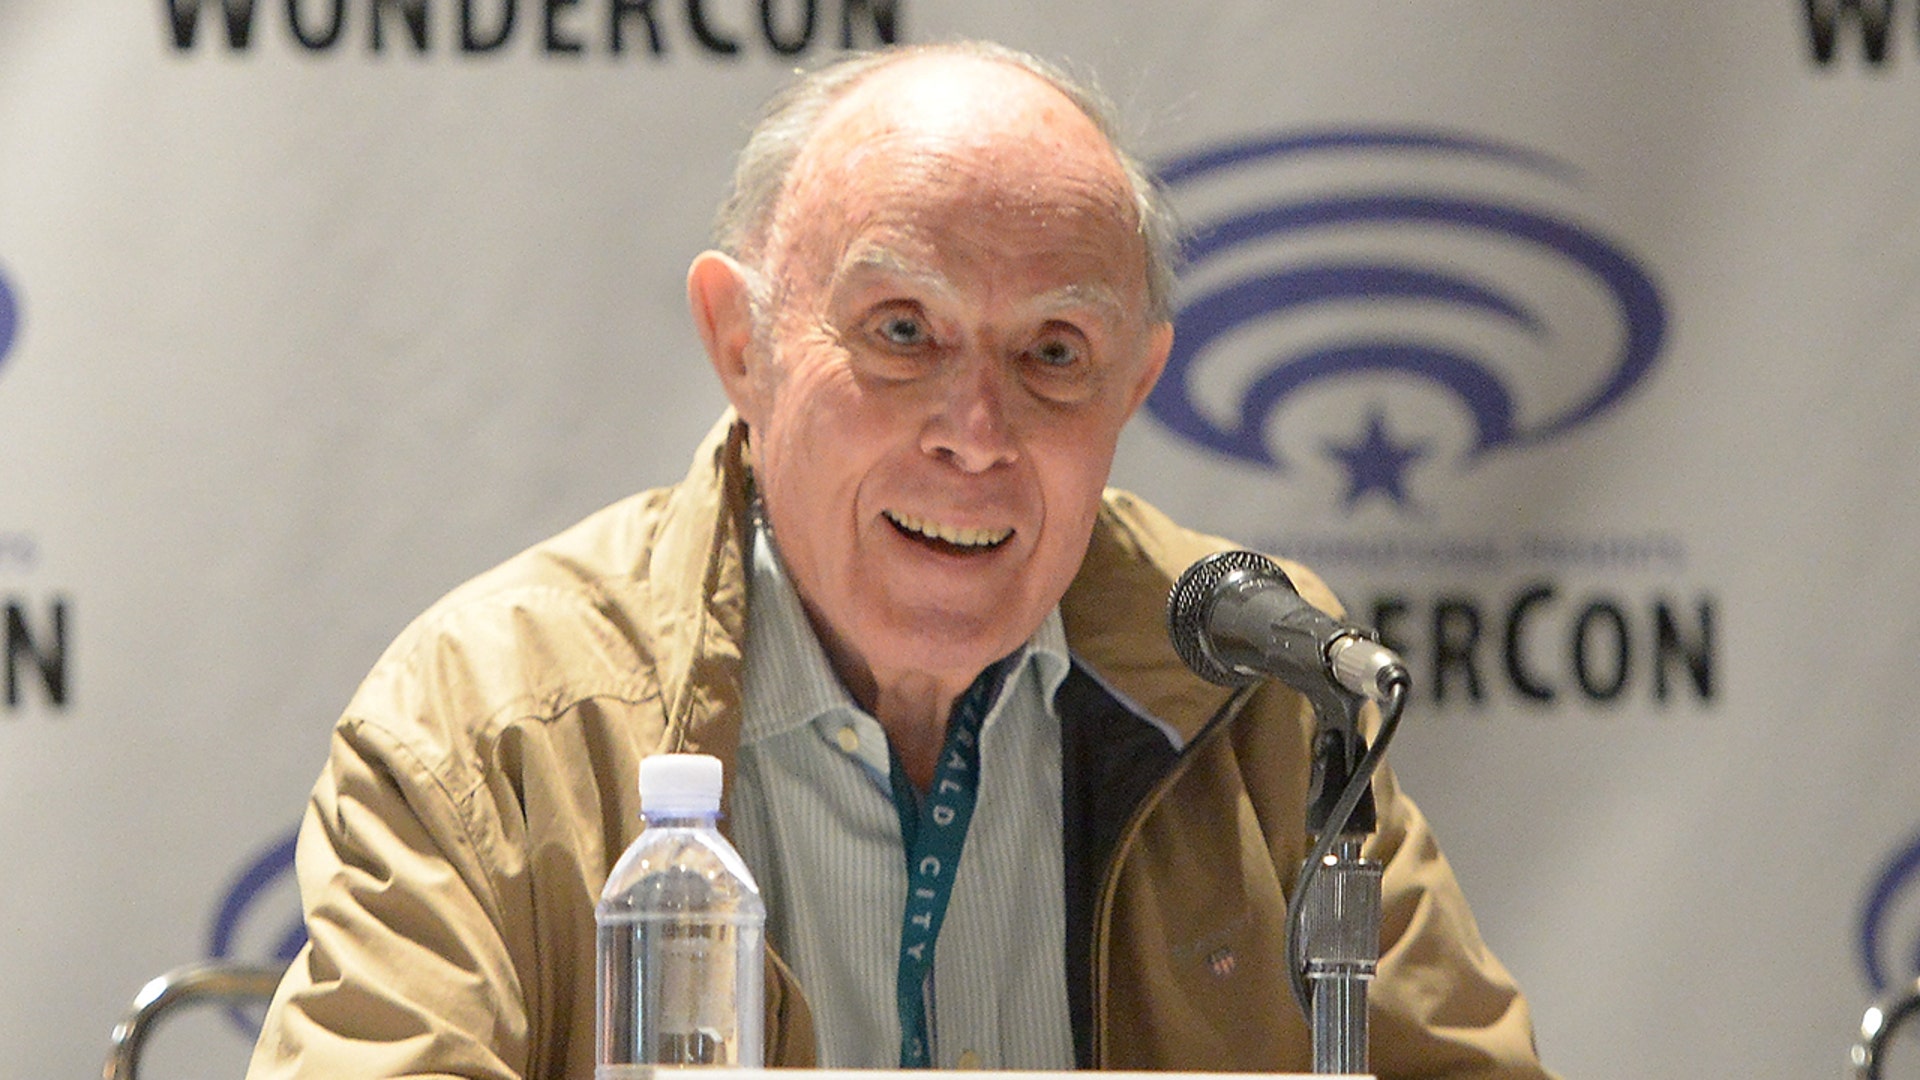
<point>1882,1018</point>
<point>192,984</point>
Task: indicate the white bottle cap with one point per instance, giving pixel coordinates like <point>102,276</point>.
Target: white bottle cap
<point>680,783</point>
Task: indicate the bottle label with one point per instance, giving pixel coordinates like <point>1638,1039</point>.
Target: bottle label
<point>696,977</point>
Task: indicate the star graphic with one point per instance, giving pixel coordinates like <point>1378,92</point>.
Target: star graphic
<point>1376,462</point>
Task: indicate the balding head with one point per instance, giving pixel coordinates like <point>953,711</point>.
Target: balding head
<point>938,140</point>
<point>741,227</point>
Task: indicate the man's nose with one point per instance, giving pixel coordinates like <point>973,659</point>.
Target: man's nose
<point>971,425</point>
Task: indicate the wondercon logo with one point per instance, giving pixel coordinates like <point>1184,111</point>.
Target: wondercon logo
<point>9,318</point>
<point>1890,922</point>
<point>1379,301</point>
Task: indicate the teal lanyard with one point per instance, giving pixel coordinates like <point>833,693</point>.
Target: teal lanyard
<point>933,832</point>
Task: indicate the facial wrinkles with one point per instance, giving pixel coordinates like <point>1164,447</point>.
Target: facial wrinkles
<point>1026,265</point>
<point>979,205</point>
<point>1016,208</point>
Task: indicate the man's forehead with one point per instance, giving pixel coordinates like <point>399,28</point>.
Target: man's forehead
<point>932,141</point>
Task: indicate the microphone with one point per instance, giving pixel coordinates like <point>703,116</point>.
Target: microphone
<point>1235,617</point>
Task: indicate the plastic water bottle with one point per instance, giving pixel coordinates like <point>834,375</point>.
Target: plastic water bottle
<point>680,929</point>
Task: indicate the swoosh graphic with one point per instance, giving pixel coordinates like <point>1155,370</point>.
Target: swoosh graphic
<point>9,318</point>
<point>271,864</point>
<point>1195,166</point>
<point>1206,318</point>
<point>266,868</point>
<point>1900,875</point>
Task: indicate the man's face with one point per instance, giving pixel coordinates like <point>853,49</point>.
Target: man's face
<point>956,336</point>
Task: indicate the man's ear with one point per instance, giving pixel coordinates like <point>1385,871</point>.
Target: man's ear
<point>720,296</point>
<point>1159,344</point>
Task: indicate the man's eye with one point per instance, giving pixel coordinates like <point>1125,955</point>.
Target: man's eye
<point>1056,353</point>
<point>903,330</point>
<point>1060,368</point>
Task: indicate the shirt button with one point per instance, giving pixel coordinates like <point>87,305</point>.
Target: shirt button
<point>848,739</point>
<point>969,1059</point>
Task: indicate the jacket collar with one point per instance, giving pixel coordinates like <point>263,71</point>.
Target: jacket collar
<point>1116,613</point>
<point>698,580</point>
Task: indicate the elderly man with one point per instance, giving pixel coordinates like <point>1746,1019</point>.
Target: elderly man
<point>942,292</point>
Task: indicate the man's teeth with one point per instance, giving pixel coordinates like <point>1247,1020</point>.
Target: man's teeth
<point>955,536</point>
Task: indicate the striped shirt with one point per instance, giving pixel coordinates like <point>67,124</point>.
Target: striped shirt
<point>814,817</point>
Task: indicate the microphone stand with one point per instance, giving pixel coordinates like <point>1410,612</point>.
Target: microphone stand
<point>1334,917</point>
<point>1235,617</point>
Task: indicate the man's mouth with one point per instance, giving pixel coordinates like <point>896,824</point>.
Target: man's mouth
<point>953,537</point>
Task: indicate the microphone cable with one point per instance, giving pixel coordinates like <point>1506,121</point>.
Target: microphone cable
<point>1396,683</point>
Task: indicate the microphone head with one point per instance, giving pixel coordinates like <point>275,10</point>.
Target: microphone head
<point>1190,606</point>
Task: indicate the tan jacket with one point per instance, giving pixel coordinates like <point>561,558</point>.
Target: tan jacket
<point>482,782</point>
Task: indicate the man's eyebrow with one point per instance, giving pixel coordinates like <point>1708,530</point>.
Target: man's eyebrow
<point>1097,295</point>
<point>877,260</point>
<point>874,261</point>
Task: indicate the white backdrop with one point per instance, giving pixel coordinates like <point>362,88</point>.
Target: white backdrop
<point>1575,340</point>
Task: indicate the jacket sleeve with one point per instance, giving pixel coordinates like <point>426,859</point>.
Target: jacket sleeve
<point>1442,1005</point>
<point>406,971</point>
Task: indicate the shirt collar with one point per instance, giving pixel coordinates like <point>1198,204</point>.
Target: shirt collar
<point>789,682</point>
